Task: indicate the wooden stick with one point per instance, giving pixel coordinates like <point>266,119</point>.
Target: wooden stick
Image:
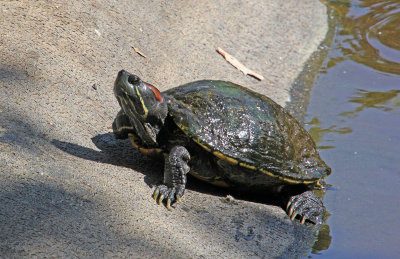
<point>234,62</point>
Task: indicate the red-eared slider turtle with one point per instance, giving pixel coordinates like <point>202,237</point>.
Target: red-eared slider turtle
<point>224,134</point>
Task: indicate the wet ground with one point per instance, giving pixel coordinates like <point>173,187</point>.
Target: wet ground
<point>354,117</point>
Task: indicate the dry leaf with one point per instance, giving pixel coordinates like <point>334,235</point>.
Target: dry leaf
<point>138,52</point>
<point>234,62</point>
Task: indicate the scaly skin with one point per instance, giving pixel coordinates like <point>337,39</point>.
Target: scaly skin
<point>175,170</point>
<point>308,206</point>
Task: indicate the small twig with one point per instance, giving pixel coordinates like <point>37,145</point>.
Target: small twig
<point>234,62</point>
<point>138,52</point>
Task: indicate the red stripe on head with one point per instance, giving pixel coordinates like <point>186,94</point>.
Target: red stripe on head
<point>155,91</point>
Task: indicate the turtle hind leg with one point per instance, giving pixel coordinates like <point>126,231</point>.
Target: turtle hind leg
<point>299,199</point>
<point>175,169</point>
<point>308,206</point>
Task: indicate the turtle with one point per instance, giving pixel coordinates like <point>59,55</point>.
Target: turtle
<point>224,134</point>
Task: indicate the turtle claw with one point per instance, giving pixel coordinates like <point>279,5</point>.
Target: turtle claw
<point>168,204</point>
<point>288,205</point>
<point>308,206</point>
<point>290,211</point>
<point>169,194</point>
<point>156,192</point>
<point>160,199</point>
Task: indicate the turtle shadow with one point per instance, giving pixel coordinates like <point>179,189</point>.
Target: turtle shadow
<point>121,153</point>
<point>115,152</point>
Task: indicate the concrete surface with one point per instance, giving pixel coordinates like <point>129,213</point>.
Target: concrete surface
<point>68,188</point>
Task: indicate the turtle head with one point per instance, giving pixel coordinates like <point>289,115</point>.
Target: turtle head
<point>143,104</point>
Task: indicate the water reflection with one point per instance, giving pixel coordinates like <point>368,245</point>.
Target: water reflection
<point>324,240</point>
<point>385,101</point>
<point>354,109</point>
<point>370,33</point>
<point>317,132</point>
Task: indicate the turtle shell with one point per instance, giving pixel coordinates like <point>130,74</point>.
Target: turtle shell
<point>246,128</point>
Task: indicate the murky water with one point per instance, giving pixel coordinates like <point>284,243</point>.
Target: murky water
<point>354,115</point>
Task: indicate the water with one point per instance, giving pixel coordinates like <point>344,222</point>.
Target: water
<point>354,117</point>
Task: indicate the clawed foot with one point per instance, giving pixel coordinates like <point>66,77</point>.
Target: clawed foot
<point>163,192</point>
<point>308,206</point>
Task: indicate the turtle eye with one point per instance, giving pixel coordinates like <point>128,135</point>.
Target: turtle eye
<point>134,80</point>
<point>155,91</point>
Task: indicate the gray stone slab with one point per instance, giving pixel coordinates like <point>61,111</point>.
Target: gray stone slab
<point>68,188</point>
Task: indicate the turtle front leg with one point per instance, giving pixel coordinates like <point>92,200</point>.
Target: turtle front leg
<point>175,169</point>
